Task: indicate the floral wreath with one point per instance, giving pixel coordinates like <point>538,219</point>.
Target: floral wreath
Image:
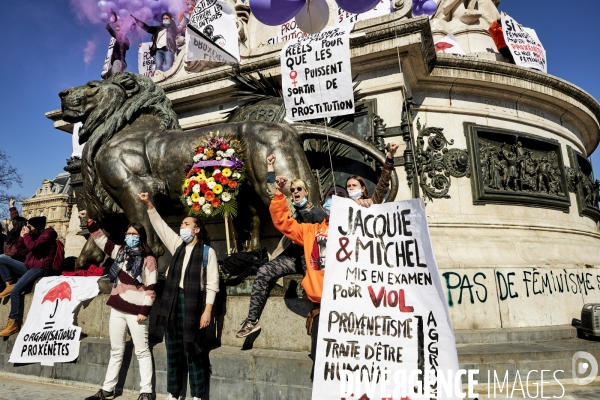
<point>211,182</point>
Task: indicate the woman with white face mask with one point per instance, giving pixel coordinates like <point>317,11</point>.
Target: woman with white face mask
<point>288,258</point>
<point>187,300</point>
<point>133,274</point>
<point>357,189</point>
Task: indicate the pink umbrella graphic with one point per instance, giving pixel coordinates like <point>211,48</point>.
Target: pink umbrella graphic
<point>62,291</point>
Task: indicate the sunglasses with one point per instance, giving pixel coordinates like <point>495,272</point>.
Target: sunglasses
<point>296,189</point>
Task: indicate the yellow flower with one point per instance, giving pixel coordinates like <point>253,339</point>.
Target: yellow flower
<point>195,197</point>
<point>186,183</point>
<point>218,189</point>
<point>226,172</point>
<point>211,179</point>
<point>201,177</point>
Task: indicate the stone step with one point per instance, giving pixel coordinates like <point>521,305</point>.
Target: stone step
<point>515,335</point>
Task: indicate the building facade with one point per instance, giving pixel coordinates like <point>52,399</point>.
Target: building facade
<point>54,200</point>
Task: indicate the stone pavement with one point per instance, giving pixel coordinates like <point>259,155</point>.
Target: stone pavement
<point>15,389</point>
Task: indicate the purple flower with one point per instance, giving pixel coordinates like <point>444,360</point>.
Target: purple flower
<point>188,168</point>
<point>238,165</point>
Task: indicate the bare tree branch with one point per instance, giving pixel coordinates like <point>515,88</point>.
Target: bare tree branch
<point>9,177</point>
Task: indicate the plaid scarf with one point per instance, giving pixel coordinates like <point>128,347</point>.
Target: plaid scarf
<point>194,297</point>
<point>135,262</point>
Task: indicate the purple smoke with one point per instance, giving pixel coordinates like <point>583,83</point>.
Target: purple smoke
<point>89,51</point>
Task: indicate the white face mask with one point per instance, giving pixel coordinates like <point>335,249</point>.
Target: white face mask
<point>186,235</point>
<point>355,194</point>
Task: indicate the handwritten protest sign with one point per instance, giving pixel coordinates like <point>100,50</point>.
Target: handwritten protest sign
<point>107,65</point>
<point>384,326</point>
<point>383,8</point>
<point>146,63</point>
<point>316,75</point>
<point>213,37</point>
<point>48,335</point>
<point>524,45</point>
<point>287,31</point>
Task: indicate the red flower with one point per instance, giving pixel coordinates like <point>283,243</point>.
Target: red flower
<point>186,191</point>
<point>209,196</point>
<point>216,202</point>
<point>196,206</point>
<point>204,188</point>
<point>223,147</point>
<point>233,184</point>
<point>200,150</point>
<point>224,180</point>
<point>217,176</point>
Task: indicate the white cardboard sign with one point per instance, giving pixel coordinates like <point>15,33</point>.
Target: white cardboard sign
<point>524,45</point>
<point>316,75</point>
<point>383,309</point>
<point>146,63</point>
<point>48,335</point>
<point>107,66</point>
<point>383,8</point>
<point>215,33</point>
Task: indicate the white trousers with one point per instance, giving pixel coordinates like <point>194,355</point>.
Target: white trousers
<point>118,324</point>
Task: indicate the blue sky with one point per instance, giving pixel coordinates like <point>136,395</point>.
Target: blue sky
<point>43,47</point>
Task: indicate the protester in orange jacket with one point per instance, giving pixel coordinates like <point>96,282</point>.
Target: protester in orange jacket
<point>313,237</point>
<point>497,35</point>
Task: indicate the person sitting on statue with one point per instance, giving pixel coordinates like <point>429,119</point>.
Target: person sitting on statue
<point>497,35</point>
<point>357,188</point>
<point>313,238</point>
<point>41,245</point>
<point>187,300</point>
<point>164,45</point>
<point>287,259</point>
<point>133,275</point>
<point>117,60</point>
<point>13,245</point>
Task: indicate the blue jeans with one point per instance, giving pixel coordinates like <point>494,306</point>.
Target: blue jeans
<point>11,270</point>
<point>164,60</point>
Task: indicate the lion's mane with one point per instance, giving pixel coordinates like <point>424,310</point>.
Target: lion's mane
<point>125,97</point>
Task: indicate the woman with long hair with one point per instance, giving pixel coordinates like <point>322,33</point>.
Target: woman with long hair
<point>287,259</point>
<point>164,45</point>
<point>186,305</point>
<point>357,188</point>
<point>133,274</point>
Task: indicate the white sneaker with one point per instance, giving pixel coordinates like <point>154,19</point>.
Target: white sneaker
<point>171,397</point>
<point>196,398</point>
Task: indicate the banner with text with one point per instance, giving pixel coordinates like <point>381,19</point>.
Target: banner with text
<point>48,335</point>
<point>215,34</point>
<point>383,8</point>
<point>316,75</point>
<point>384,325</point>
<point>146,63</point>
<point>524,45</point>
<point>107,66</point>
<point>287,31</point>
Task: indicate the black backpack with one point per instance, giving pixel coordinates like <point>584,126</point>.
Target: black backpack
<point>240,265</point>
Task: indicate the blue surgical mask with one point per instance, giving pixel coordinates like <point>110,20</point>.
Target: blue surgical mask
<point>327,206</point>
<point>166,23</point>
<point>132,241</point>
<point>186,235</point>
<point>301,204</point>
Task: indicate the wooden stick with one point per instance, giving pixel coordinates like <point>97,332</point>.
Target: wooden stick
<point>227,234</point>
<point>235,249</point>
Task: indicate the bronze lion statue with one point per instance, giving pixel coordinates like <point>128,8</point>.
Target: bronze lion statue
<point>134,144</point>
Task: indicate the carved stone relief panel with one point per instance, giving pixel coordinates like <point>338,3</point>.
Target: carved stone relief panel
<point>511,167</point>
<point>581,181</point>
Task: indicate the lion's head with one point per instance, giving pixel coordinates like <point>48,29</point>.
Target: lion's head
<point>106,106</point>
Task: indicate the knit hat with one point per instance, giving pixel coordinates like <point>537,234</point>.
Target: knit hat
<point>336,190</point>
<point>39,223</point>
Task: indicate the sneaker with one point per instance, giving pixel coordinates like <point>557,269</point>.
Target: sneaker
<point>171,397</point>
<point>101,395</point>
<point>247,328</point>
<point>145,396</point>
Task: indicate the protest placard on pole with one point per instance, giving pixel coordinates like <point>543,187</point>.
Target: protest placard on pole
<point>384,325</point>
<point>146,63</point>
<point>383,8</point>
<point>316,75</point>
<point>48,335</point>
<point>524,45</point>
<point>214,34</point>
<point>107,66</point>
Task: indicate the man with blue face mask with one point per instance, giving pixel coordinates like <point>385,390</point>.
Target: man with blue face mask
<point>186,305</point>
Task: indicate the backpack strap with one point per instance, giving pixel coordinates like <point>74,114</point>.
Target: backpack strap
<point>205,257</point>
